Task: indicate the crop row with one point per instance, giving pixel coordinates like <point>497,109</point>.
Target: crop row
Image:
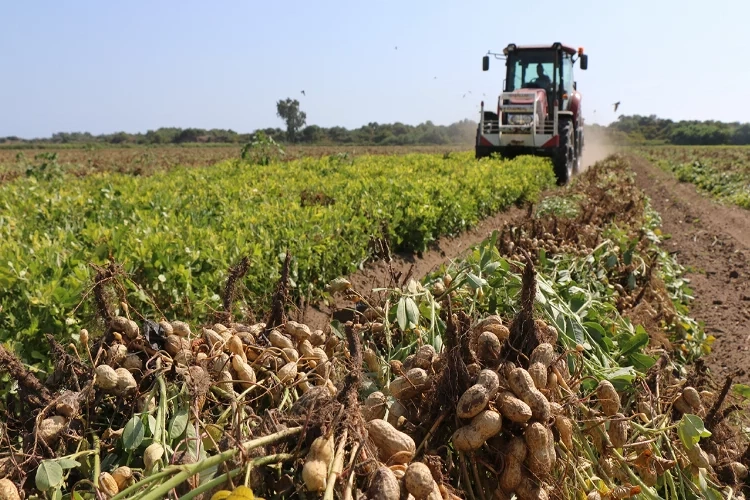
<point>176,233</point>
<point>721,171</point>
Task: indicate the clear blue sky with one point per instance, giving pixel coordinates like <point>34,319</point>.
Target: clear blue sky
<point>109,66</point>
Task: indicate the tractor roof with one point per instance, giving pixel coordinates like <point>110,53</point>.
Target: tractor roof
<point>566,48</point>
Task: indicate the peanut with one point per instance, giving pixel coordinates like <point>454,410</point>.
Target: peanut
<point>125,381</point>
<point>152,454</point>
<point>490,380</point>
<point>244,371</point>
<point>374,406</point>
<point>108,485</point>
<point>8,490</point>
<point>544,353</point>
<point>618,430</point>
<point>319,458</point>
<point>234,345</point>
<point>419,482</point>
<point>384,485</point>
<point>513,408</point>
<point>608,398</point>
<point>539,459</point>
<point>122,476</point>
<point>298,330</point>
<point>279,340</point>
<point>522,386</point>
<point>287,373</point>
<point>51,427</point>
<point>410,385</point>
<point>106,378</point>
<point>180,328</point>
<point>538,374</point>
<point>482,427</point>
<point>565,428</point>
<point>488,346</point>
<point>389,441</point>
<point>473,401</point>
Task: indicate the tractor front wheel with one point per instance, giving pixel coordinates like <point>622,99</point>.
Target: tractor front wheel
<point>565,159</point>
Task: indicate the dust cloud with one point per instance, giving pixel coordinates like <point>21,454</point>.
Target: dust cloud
<point>596,147</point>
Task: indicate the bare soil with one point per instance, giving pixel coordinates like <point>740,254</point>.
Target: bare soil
<point>713,242</point>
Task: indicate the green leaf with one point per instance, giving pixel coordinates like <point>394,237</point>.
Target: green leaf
<point>634,343</point>
<point>578,332</point>
<point>742,389</point>
<point>621,377</point>
<point>152,424</point>
<point>49,474</point>
<point>475,282</point>
<point>67,463</point>
<point>627,256</point>
<point>133,433</point>
<point>337,329</point>
<point>691,430</point>
<point>178,424</point>
<point>611,261</point>
<point>401,313</point>
<point>642,362</point>
<point>412,312</point>
<point>491,267</point>
<point>597,332</point>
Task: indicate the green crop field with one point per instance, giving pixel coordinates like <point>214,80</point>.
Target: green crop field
<point>721,171</point>
<point>177,232</point>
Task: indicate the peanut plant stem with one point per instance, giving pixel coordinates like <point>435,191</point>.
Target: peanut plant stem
<point>186,471</point>
<point>336,468</point>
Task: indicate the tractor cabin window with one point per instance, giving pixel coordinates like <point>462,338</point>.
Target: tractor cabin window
<point>535,68</point>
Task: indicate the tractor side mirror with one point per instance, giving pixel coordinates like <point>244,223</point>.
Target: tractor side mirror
<point>584,61</point>
<point>485,63</point>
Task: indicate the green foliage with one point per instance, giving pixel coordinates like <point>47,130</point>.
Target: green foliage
<point>561,206</point>
<point>176,233</point>
<point>262,150</point>
<point>47,169</point>
<point>691,430</point>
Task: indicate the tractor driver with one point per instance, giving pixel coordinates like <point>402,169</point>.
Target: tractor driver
<point>541,79</point>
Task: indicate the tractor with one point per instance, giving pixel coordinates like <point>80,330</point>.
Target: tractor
<point>539,111</point>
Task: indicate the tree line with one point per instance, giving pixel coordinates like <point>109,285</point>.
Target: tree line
<point>426,133</point>
<point>627,129</point>
<point>652,129</point>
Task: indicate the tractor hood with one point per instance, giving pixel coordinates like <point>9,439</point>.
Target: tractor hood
<point>521,96</point>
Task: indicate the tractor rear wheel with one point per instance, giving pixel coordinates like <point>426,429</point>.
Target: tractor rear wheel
<point>565,160</point>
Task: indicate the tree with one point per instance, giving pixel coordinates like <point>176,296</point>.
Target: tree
<point>295,119</point>
<point>312,134</point>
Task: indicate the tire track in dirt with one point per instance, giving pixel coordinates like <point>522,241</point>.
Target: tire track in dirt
<point>713,242</point>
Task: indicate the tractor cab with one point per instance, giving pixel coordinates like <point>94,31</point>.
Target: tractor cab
<point>541,67</point>
<point>539,109</point>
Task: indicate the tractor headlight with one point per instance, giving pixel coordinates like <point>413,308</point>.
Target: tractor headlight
<point>520,119</point>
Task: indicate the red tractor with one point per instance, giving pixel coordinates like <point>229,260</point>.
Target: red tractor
<point>539,110</point>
